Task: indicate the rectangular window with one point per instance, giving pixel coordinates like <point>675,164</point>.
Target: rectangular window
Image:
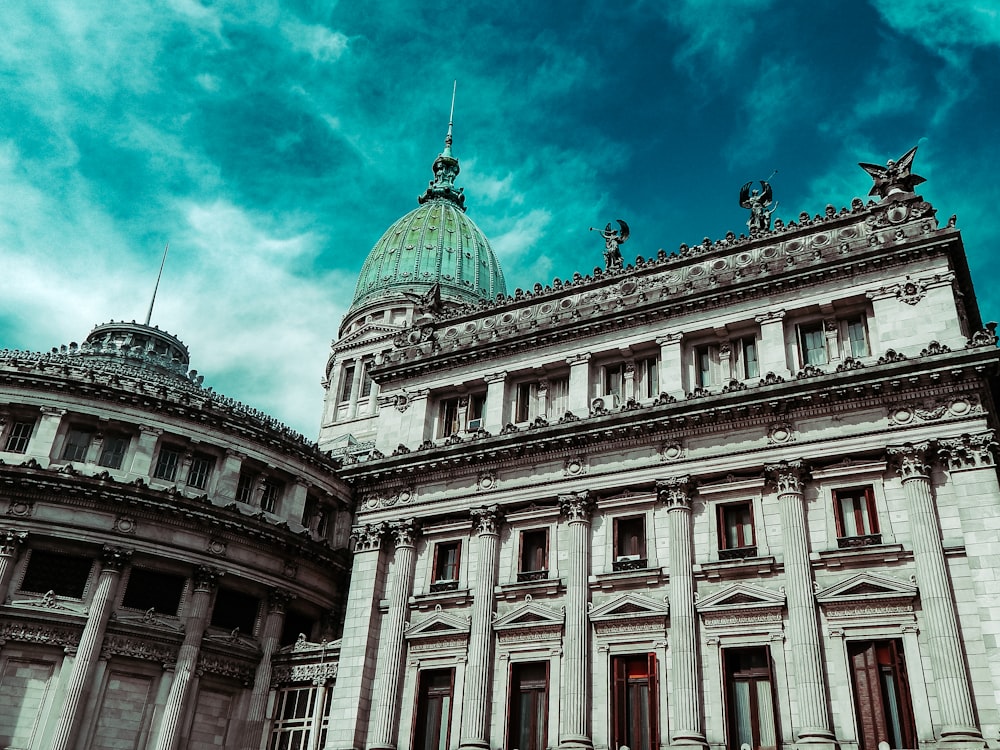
<point>293,718</point>
<point>246,486</point>
<point>64,575</point>
<point>269,498</point>
<point>857,522</point>
<point>750,699</point>
<point>235,609</point>
<point>857,338</point>
<point>881,694</point>
<point>557,403</point>
<point>647,378</point>
<point>534,559</point>
<point>433,716</point>
<point>614,380</point>
<point>201,467</point>
<point>113,451</point>
<point>18,437</point>
<point>448,418</point>
<point>153,590</point>
<point>630,543</point>
<point>366,379</point>
<point>526,401</point>
<point>167,463</point>
<point>77,443</point>
<point>477,407</point>
<point>705,365</point>
<point>527,722</point>
<point>635,711</point>
<point>347,382</point>
<point>812,344</point>
<point>745,351</point>
<point>446,558</point>
<point>736,537</point>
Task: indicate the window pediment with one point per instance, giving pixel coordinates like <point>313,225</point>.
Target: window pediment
<point>630,613</point>
<point>529,621</point>
<point>741,605</point>
<point>866,595</point>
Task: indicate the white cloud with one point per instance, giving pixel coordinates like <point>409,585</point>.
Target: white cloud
<point>945,26</point>
<point>716,31</point>
<point>320,42</point>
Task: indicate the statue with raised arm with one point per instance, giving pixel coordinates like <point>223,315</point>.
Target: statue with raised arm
<point>613,239</point>
<point>759,204</point>
<point>895,176</point>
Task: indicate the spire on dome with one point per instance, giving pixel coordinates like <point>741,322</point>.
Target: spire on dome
<point>446,169</point>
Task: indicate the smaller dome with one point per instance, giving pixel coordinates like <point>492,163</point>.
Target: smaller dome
<point>435,243</point>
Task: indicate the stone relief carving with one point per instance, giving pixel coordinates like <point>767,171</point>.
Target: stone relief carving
<point>672,451</point>
<point>487,480</point>
<point>780,433</point>
<point>787,476</point>
<point>487,519</point>
<point>368,538</point>
<point>577,506</point>
<point>675,492</point>
<point>968,451</point>
<point>911,460</point>
<point>575,465</point>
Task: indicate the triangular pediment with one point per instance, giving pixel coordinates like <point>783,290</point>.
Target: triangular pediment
<point>865,587</point>
<point>629,606</point>
<point>529,614</point>
<point>367,334</point>
<point>741,596</point>
<point>438,625</point>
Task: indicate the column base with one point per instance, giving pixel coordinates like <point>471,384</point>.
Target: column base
<point>469,744</point>
<point>381,747</point>
<point>576,742</point>
<point>961,738</point>
<point>817,739</point>
<point>688,740</point>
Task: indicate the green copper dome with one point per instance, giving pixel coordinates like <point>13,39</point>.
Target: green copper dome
<point>434,243</point>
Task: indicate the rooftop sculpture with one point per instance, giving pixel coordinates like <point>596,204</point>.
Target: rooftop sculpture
<point>613,239</point>
<point>759,204</point>
<point>894,177</point>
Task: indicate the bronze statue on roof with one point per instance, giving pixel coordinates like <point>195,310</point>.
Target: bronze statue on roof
<point>759,204</point>
<point>894,177</point>
<point>613,239</point>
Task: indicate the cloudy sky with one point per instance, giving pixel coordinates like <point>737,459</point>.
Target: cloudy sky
<point>271,143</point>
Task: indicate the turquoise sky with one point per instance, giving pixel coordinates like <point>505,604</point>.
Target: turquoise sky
<point>272,143</point>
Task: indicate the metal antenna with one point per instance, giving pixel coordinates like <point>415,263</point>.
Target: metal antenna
<point>451,118</point>
<point>149,314</point>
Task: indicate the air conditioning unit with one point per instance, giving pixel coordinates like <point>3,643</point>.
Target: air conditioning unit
<point>475,424</point>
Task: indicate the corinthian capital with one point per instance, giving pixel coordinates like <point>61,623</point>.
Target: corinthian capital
<point>368,537</point>
<point>787,476</point>
<point>10,541</point>
<point>278,599</point>
<point>968,451</point>
<point>675,492</point>
<point>206,577</point>
<point>404,532</point>
<point>577,506</point>
<point>911,460</point>
<point>487,519</point>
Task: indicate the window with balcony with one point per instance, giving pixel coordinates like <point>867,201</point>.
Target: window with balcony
<point>18,436</point>
<point>528,708</point>
<point>201,468</point>
<point>534,557</point>
<point>707,367</point>
<point>272,491</point>
<point>166,463</point>
<point>855,336</point>
<point>630,543</point>
<point>736,533</point>
<point>834,338</point>
<point>63,574</point>
<point>153,589</point>
<point>77,443</point>
<point>750,699</point>
<point>435,688</point>
<point>857,521</point>
<point>446,559</point>
<point>460,414</point>
<point>113,451</point>
<point>881,694</point>
<point>557,398</point>
<point>635,711</point>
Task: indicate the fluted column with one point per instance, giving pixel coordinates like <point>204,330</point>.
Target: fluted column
<point>10,547</point>
<point>958,721</point>
<point>685,695</point>
<point>269,640</point>
<point>187,657</point>
<point>479,674</point>
<point>87,653</point>
<point>803,628</point>
<point>385,715</point>
<point>574,696</point>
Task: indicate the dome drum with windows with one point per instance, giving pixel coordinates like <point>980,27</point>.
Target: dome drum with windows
<point>435,243</point>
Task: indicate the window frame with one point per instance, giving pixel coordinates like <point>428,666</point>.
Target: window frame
<point>421,707</point>
<point>440,566</point>
<point>159,472</point>
<point>246,486</point>
<point>623,560</point>
<point>109,439</point>
<point>72,443</point>
<point>728,551</point>
<point>14,440</point>
<point>741,361</point>
<point>524,573</point>
<point>647,378</point>
<point>888,661</point>
<point>534,686</point>
<point>200,461</point>
<point>272,492</point>
<point>802,330</point>
<point>623,714</point>
<point>752,675</point>
<point>867,511</point>
<point>346,382</point>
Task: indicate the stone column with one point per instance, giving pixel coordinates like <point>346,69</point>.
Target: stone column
<point>579,384</point>
<point>671,364</point>
<point>574,706</point>
<point>803,630</point>
<point>958,721</point>
<point>317,718</point>
<point>476,709</point>
<point>385,713</point>
<point>89,649</point>
<point>771,357</point>
<point>10,547</point>
<point>352,408</point>
<point>270,638</point>
<point>44,435</point>
<point>187,657</point>
<point>142,459</point>
<point>685,692</point>
<point>493,414</point>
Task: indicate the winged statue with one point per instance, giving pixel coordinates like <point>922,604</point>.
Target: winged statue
<point>895,176</point>
<point>759,204</point>
<point>613,238</point>
<point>428,303</point>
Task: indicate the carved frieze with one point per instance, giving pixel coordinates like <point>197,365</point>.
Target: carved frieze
<point>236,669</point>
<point>49,635</point>
<point>577,506</point>
<point>787,476</point>
<point>675,492</point>
<point>968,451</point>
<point>911,460</point>
<point>368,537</point>
<point>487,519</point>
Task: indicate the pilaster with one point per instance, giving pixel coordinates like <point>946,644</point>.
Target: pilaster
<point>772,357</point>
<point>579,383</point>
<point>493,416</point>
<point>10,549</point>
<point>671,364</point>
<point>40,445</point>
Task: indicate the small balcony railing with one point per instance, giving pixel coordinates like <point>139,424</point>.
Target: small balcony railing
<point>864,540</point>
<point>737,553</point>
<point>440,586</point>
<point>627,563</point>
<point>524,576</point>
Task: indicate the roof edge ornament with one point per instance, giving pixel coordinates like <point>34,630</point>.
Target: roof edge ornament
<point>446,168</point>
<point>895,178</point>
